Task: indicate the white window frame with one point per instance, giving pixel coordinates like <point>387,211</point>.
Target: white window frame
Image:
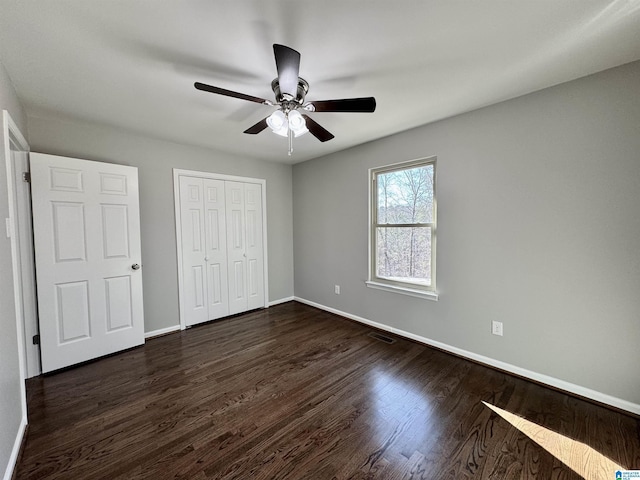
<point>406,288</point>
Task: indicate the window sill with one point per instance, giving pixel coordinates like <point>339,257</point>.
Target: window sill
<point>403,290</point>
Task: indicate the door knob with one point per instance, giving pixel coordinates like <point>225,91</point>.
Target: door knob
<point>135,266</point>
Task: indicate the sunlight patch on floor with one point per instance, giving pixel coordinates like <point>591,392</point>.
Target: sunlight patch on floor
<point>581,458</point>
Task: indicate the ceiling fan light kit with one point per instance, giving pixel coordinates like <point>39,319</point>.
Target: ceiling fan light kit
<point>290,91</point>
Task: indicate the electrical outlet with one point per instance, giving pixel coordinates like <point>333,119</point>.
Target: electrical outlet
<point>337,290</point>
<point>496,328</point>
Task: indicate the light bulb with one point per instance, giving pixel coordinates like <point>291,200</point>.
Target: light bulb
<point>277,121</point>
<point>297,123</point>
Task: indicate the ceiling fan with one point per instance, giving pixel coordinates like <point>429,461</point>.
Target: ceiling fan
<point>290,91</point>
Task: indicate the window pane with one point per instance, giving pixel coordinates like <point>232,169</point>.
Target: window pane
<point>406,196</point>
<point>404,254</point>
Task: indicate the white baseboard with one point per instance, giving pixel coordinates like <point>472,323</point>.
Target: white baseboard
<point>11,465</point>
<point>522,372</point>
<point>162,331</point>
<point>175,328</point>
<point>282,300</point>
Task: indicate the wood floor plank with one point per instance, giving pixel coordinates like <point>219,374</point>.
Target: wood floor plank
<point>293,392</point>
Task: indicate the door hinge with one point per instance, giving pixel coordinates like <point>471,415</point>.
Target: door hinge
<point>36,339</point>
<point>26,177</point>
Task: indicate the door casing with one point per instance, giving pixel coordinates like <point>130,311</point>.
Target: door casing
<point>11,134</point>
<point>20,194</point>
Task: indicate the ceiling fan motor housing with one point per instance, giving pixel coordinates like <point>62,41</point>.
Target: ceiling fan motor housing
<point>303,88</point>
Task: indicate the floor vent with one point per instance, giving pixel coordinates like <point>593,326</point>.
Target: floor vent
<point>382,338</point>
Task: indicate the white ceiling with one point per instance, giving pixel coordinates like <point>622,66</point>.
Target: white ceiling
<point>132,63</point>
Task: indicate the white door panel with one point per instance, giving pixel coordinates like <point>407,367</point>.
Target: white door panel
<point>254,248</point>
<point>115,230</point>
<point>236,255</point>
<point>193,238</point>
<point>87,241</point>
<point>119,305</point>
<point>216,249</point>
<point>203,249</point>
<point>199,285</point>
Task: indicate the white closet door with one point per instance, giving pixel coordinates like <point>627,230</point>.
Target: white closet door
<point>87,245</point>
<point>236,254</point>
<point>216,249</point>
<point>254,248</point>
<point>204,245</point>
<point>193,250</point>
<point>221,240</point>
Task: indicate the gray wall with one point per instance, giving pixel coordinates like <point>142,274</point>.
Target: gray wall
<point>155,160</point>
<point>538,227</point>
<point>10,397</point>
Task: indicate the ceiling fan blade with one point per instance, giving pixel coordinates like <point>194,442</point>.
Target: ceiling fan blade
<point>363,105</point>
<point>317,130</point>
<point>229,93</point>
<point>288,65</point>
<point>258,127</point>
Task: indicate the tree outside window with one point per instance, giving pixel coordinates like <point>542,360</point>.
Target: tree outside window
<point>403,227</point>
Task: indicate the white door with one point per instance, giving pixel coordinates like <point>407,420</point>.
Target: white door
<point>221,245</point>
<point>254,247</point>
<point>204,267</point>
<point>236,253</point>
<point>244,246</point>
<point>87,247</point>
<point>216,249</point>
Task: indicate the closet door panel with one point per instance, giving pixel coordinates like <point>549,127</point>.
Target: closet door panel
<point>254,248</point>
<point>236,242</point>
<point>194,266</point>
<point>216,249</point>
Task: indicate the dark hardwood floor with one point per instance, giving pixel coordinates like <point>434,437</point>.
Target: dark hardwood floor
<point>293,392</point>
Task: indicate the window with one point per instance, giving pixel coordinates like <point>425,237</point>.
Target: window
<point>403,228</point>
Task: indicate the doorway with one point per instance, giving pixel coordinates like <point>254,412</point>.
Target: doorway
<point>21,226</point>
